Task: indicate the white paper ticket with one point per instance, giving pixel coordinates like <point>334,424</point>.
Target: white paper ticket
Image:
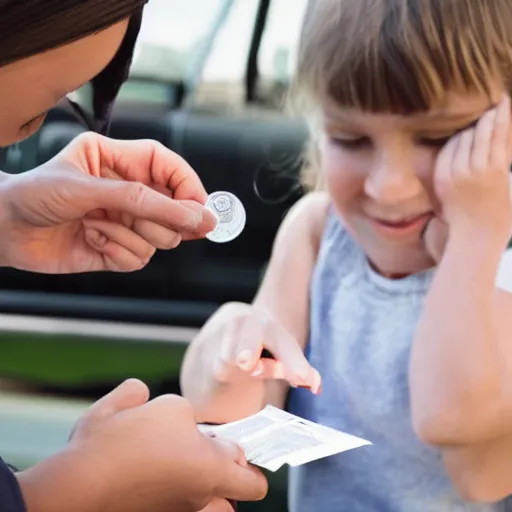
<point>274,437</point>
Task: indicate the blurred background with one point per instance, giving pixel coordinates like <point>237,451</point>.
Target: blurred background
<point>208,81</point>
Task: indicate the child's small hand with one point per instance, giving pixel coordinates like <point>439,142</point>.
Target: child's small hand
<point>436,236</point>
<point>472,176</point>
<point>242,339</point>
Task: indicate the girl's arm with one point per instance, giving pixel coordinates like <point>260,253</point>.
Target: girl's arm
<point>461,363</point>
<point>219,394</point>
<point>461,369</point>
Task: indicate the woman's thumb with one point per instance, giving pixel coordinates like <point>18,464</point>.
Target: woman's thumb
<point>131,393</point>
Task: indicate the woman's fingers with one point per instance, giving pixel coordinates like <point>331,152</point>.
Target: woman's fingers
<point>141,201</point>
<point>157,236</point>
<point>123,249</point>
<point>220,505</point>
<point>145,161</point>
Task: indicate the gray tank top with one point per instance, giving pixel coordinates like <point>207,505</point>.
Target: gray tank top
<point>361,331</point>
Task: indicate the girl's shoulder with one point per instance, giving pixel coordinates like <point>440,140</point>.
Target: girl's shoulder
<point>310,215</point>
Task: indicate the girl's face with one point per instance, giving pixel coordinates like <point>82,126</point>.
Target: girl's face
<point>379,172</point>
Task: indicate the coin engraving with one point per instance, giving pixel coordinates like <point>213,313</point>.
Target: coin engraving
<point>230,214</point>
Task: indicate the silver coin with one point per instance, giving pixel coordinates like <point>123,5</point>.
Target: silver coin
<point>230,214</point>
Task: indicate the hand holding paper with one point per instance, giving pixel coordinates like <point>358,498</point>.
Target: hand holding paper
<point>274,437</point>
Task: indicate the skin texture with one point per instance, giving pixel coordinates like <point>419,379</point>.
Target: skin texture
<point>452,164</point>
<point>100,205</point>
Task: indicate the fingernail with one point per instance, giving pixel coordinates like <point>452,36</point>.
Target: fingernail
<point>208,214</point>
<point>198,210</point>
<point>317,383</point>
<point>95,238</point>
<point>243,360</point>
<point>258,371</point>
<point>195,219</point>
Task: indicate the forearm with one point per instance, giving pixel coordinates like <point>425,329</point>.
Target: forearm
<point>456,368</point>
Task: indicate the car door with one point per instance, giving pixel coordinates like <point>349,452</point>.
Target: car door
<point>209,87</point>
<point>213,115</point>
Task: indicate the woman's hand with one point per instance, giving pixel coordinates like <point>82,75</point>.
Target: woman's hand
<point>100,204</point>
<point>220,505</point>
<point>131,454</point>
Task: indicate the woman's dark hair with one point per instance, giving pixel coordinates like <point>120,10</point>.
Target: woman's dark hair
<point>29,27</point>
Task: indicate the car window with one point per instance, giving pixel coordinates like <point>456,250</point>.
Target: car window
<point>173,35</point>
<point>278,50</point>
<point>222,80</point>
<point>174,38</point>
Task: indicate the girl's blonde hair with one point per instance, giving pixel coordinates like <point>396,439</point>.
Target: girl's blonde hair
<point>397,56</point>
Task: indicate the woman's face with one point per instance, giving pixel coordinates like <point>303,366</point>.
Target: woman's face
<point>30,87</point>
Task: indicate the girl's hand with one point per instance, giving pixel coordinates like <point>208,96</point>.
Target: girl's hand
<point>228,367</point>
<point>436,237</point>
<point>238,357</point>
<point>472,177</point>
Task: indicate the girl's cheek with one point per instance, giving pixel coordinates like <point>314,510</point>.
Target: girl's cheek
<point>345,174</point>
<point>425,163</point>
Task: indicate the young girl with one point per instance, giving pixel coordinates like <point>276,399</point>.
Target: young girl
<point>385,283</point>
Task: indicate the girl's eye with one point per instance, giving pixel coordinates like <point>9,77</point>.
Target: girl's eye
<point>350,144</point>
<point>438,142</point>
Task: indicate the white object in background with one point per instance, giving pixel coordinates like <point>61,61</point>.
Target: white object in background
<point>230,214</point>
<point>504,274</point>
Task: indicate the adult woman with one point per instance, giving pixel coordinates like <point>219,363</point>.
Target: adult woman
<point>102,205</point>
